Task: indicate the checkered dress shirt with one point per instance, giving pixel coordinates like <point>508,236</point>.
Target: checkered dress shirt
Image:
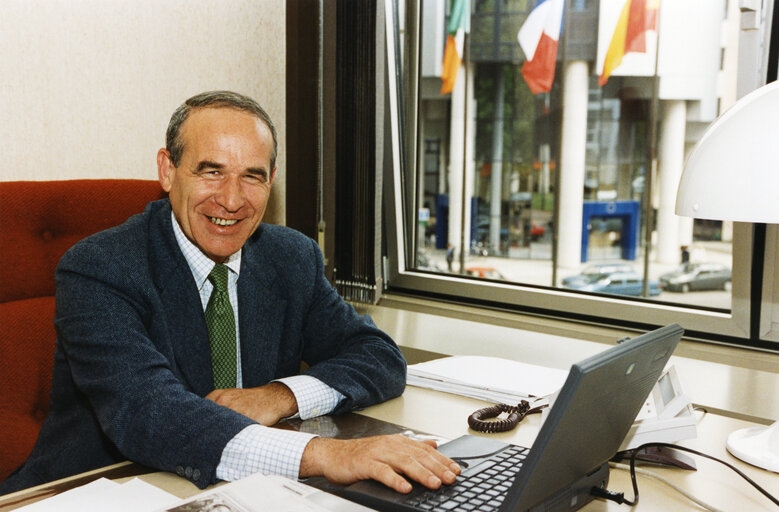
<point>258,448</point>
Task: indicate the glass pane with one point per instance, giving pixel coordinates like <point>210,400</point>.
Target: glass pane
<point>556,164</point>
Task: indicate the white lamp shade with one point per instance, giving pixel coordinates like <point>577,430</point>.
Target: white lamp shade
<point>733,174</point>
<point>733,171</point>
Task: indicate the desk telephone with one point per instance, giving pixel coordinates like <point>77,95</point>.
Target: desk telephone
<point>667,415</point>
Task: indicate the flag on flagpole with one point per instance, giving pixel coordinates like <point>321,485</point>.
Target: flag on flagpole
<point>455,41</point>
<point>635,19</point>
<point>538,38</point>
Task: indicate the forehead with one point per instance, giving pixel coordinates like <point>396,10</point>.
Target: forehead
<point>210,130</point>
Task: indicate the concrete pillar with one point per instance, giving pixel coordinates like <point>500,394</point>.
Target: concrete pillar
<point>456,164</point>
<point>572,155</point>
<point>670,159</point>
<point>686,223</point>
<point>685,233</point>
<point>460,163</point>
<point>727,231</point>
<point>496,170</point>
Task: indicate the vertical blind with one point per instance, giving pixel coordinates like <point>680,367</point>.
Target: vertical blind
<point>358,177</point>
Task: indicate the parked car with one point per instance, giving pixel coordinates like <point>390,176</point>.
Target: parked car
<point>620,283</point>
<point>596,269</point>
<point>697,276</point>
<point>484,272</point>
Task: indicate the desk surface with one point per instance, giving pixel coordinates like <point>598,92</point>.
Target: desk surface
<point>729,389</point>
<point>445,415</point>
<point>426,411</point>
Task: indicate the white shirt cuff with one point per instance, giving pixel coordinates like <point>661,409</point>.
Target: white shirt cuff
<point>314,397</point>
<point>266,450</point>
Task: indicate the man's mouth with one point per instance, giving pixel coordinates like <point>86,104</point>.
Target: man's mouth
<point>222,222</point>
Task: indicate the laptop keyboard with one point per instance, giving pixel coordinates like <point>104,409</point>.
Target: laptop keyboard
<point>480,492</point>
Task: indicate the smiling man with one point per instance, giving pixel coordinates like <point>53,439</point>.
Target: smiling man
<point>218,172</point>
<point>180,333</point>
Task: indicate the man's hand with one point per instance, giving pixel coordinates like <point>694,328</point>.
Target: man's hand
<point>382,458</point>
<point>266,404</point>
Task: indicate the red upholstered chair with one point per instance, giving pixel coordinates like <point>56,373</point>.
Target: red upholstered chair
<point>39,221</point>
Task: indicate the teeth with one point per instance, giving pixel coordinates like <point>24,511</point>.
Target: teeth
<point>222,222</point>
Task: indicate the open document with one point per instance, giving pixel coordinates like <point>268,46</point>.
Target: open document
<point>103,494</point>
<point>260,493</point>
<point>492,379</point>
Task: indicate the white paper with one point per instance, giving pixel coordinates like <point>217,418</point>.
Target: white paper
<point>489,378</point>
<point>132,496</point>
<point>103,494</point>
<point>69,499</point>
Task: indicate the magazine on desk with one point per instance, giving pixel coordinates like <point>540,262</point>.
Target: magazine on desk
<point>259,493</point>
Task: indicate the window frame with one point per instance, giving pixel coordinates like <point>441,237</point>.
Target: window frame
<point>708,324</point>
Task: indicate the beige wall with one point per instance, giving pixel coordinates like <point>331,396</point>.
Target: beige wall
<point>87,86</point>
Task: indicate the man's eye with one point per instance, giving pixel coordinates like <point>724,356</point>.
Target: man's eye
<point>258,178</point>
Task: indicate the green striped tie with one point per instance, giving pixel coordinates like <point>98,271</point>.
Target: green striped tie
<point>221,330</point>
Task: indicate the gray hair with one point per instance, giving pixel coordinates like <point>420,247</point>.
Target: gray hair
<point>214,99</point>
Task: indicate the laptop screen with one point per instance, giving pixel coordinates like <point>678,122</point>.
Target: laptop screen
<point>591,416</point>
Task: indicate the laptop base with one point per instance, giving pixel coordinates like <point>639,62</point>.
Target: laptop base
<point>573,497</point>
<point>577,495</point>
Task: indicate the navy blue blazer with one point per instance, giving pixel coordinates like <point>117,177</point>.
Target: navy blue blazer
<point>132,361</point>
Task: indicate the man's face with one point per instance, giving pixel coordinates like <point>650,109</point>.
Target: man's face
<point>221,186</point>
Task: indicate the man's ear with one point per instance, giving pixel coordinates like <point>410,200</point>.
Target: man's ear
<point>272,175</point>
<point>165,169</point>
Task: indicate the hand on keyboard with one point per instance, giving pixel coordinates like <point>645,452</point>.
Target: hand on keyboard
<point>382,458</point>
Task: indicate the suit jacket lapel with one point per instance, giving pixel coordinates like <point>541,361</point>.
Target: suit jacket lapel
<point>182,309</point>
<point>261,306</point>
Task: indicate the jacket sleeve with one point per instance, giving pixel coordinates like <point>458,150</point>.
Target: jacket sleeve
<point>103,321</point>
<point>345,350</point>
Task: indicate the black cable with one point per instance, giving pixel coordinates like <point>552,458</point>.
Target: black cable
<point>516,414</point>
<point>617,497</point>
<point>682,448</point>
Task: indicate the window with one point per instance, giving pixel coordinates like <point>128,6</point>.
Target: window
<point>555,192</point>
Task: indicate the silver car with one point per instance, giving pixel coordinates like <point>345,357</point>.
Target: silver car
<point>697,276</point>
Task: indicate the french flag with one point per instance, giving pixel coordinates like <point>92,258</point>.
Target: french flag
<point>538,38</point>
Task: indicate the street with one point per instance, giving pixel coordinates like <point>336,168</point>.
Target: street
<point>534,266</point>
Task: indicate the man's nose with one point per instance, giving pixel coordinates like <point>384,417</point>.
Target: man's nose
<point>230,195</point>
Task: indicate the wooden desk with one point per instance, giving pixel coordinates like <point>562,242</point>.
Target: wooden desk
<point>426,411</point>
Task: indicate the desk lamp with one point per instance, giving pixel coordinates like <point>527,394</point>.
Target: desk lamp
<point>733,174</point>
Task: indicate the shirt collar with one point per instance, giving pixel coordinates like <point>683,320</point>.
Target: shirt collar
<point>199,264</point>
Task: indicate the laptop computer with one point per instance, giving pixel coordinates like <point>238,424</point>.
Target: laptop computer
<point>584,428</point>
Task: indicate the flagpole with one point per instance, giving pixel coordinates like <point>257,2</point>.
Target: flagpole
<point>652,154</point>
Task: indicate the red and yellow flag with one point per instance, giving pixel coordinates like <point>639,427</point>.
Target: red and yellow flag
<point>636,17</point>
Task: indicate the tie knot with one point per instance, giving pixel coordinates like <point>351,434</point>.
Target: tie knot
<point>218,277</point>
